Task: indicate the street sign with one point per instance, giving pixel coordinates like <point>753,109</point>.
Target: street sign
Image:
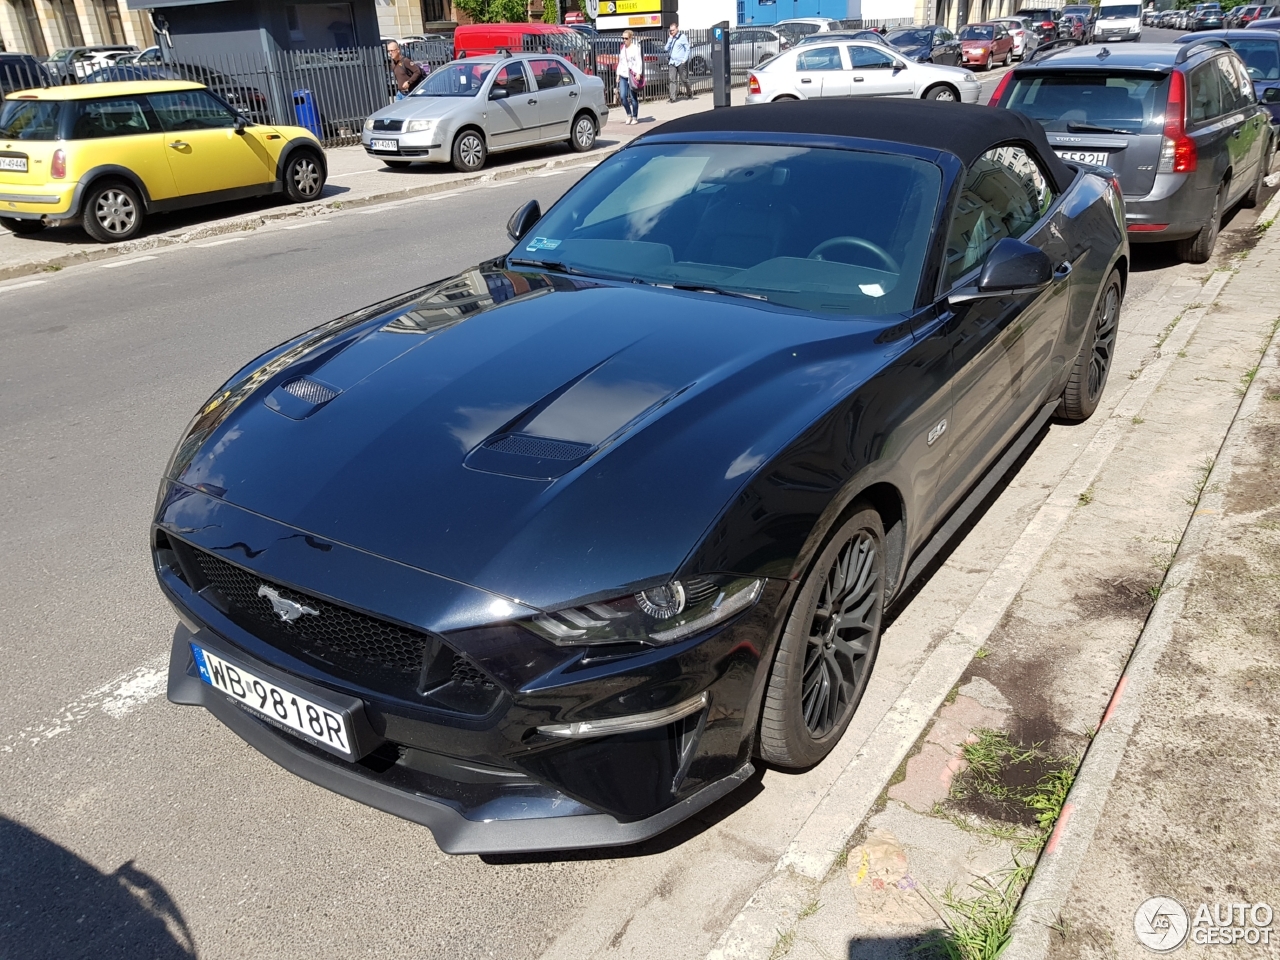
<point>609,8</point>
<point>628,22</point>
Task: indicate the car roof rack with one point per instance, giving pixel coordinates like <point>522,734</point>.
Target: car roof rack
<point>1191,46</point>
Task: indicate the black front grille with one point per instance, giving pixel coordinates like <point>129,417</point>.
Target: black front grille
<point>336,629</point>
<point>385,125</point>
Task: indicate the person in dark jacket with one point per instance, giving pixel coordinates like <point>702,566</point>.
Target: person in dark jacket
<point>407,73</point>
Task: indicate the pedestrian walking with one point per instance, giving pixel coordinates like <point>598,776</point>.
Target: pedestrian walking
<point>677,64</point>
<point>407,73</point>
<point>630,75</point>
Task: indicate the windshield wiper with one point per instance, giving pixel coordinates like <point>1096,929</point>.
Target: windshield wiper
<point>555,265</point>
<point>705,288</point>
<point>1076,127</point>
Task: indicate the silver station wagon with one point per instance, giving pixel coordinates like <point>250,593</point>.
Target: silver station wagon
<point>467,109</point>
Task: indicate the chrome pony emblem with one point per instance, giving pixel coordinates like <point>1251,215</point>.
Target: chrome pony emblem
<point>287,610</point>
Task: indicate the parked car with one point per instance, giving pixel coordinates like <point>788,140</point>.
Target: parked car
<point>21,71</point>
<point>1260,51</point>
<point>1085,11</point>
<point>875,36</point>
<point>748,47</point>
<point>468,109</point>
<point>1206,16</point>
<point>1252,16</point>
<point>1272,23</point>
<point>934,44</point>
<point>1117,22</point>
<point>683,449</point>
<point>983,45</point>
<point>1044,20</point>
<point>71,63</point>
<point>1229,19</point>
<point>149,55</point>
<point>1025,39</point>
<point>1179,123</point>
<point>800,27</point>
<point>1072,27</point>
<point>245,98</point>
<point>106,155</point>
<point>856,68</point>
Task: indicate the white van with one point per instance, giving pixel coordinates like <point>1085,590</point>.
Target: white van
<point>1118,21</point>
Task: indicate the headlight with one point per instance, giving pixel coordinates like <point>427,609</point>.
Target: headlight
<point>970,78</point>
<point>655,616</point>
<point>418,126</point>
<point>368,124</point>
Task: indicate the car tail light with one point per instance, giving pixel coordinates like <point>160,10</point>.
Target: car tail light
<point>753,85</point>
<point>1000,88</point>
<point>1147,227</point>
<point>1177,150</point>
<point>58,169</point>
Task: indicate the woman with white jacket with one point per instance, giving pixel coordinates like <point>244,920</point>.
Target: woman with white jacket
<point>630,75</point>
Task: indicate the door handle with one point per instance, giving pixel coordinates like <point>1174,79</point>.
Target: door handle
<point>179,144</point>
<point>1063,270</point>
<point>858,79</point>
<point>573,93</point>
<point>806,80</point>
<point>533,100</point>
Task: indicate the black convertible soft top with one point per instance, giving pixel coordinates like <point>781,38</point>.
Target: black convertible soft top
<point>966,130</point>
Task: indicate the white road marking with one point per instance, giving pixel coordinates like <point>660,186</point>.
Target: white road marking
<point>218,243</point>
<point>116,699</point>
<point>309,223</point>
<point>352,173</point>
<point>125,263</point>
<point>20,286</point>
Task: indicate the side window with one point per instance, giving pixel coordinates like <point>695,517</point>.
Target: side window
<point>1246,84</point>
<point>864,58</point>
<point>191,110</point>
<point>512,78</point>
<point>946,36</point>
<point>109,118</point>
<point>1004,195</point>
<point>1206,93</point>
<point>548,74</point>
<point>823,58</point>
<point>1233,95</point>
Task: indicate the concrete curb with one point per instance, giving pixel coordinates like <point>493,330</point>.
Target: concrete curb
<point>775,906</point>
<point>1043,899</point>
<point>253,221</point>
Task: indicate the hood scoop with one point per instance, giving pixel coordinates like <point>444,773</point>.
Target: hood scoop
<point>300,397</point>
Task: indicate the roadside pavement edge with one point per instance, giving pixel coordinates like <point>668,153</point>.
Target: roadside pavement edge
<point>1068,846</point>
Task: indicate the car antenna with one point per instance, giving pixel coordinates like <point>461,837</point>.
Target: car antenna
<point>1104,53</point>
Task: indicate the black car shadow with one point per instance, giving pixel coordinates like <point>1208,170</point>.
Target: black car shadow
<point>59,907</point>
<point>497,161</point>
<point>892,948</point>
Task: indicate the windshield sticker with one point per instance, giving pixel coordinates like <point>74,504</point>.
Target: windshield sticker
<point>542,243</point>
<point>871,289</point>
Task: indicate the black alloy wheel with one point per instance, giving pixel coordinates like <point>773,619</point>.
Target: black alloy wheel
<point>112,212</point>
<point>303,177</point>
<point>828,646</point>
<point>1093,363</point>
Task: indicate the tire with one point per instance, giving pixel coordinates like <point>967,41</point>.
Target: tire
<point>583,135</point>
<point>1093,363</point>
<point>21,227</point>
<point>785,96</point>
<point>303,177</point>
<point>469,151</point>
<point>1255,192</point>
<point>1008,57</point>
<point>397,164</point>
<point>1199,249</point>
<point>821,668</point>
<point>112,212</point>
<point>940,91</point>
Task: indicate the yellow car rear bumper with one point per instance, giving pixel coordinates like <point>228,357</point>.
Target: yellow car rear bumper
<point>43,200</point>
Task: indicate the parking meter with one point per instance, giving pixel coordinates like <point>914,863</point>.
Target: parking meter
<point>720,64</point>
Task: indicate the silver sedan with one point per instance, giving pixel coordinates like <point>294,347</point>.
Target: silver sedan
<point>467,109</point>
<point>857,68</point>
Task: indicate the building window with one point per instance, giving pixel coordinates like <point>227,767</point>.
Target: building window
<point>107,15</point>
<point>320,26</point>
<point>434,11</point>
<point>66,23</point>
<point>29,32</point>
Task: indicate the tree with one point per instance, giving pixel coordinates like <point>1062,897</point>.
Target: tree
<point>494,11</point>
<point>550,11</point>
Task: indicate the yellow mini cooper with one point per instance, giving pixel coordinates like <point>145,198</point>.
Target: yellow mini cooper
<point>106,154</point>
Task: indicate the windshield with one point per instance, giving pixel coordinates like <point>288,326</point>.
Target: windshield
<point>1066,102</point>
<point>29,120</point>
<point>976,33</point>
<point>910,38</point>
<point>1123,12</point>
<point>1261,57</point>
<point>1080,11</point>
<point>454,80</point>
<point>795,226</point>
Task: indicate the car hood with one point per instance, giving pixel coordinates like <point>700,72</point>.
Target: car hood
<point>421,108</point>
<point>914,50</point>
<point>545,439</point>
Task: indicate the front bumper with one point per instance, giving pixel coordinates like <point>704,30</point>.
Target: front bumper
<point>430,145</point>
<point>975,57</point>
<point>22,202</point>
<point>970,92</point>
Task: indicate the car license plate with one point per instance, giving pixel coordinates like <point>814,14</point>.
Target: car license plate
<point>1098,159</point>
<point>308,719</point>
<point>14,164</point>
<point>392,145</point>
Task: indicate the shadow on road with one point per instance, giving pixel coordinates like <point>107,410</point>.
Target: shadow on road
<point>58,906</point>
<point>888,948</point>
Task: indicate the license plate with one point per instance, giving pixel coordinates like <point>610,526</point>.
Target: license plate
<point>306,718</point>
<point>392,145</point>
<point>14,164</point>
<point>1098,159</point>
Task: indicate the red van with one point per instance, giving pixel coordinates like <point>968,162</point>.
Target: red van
<point>478,39</point>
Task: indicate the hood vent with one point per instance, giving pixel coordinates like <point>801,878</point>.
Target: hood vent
<point>300,397</point>
<point>539,447</point>
<point>527,457</point>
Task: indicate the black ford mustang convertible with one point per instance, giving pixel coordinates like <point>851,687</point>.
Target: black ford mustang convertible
<point>549,553</point>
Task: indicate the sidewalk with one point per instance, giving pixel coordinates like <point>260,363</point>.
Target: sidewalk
<point>1003,707</point>
<point>355,179</point>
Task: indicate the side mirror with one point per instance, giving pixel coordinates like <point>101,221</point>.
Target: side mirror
<point>1271,95</point>
<point>1012,267</point>
<point>522,221</point>
<point>241,123</point>
<point>498,93</point>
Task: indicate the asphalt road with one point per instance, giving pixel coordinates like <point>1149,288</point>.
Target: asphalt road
<point>131,828</point>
